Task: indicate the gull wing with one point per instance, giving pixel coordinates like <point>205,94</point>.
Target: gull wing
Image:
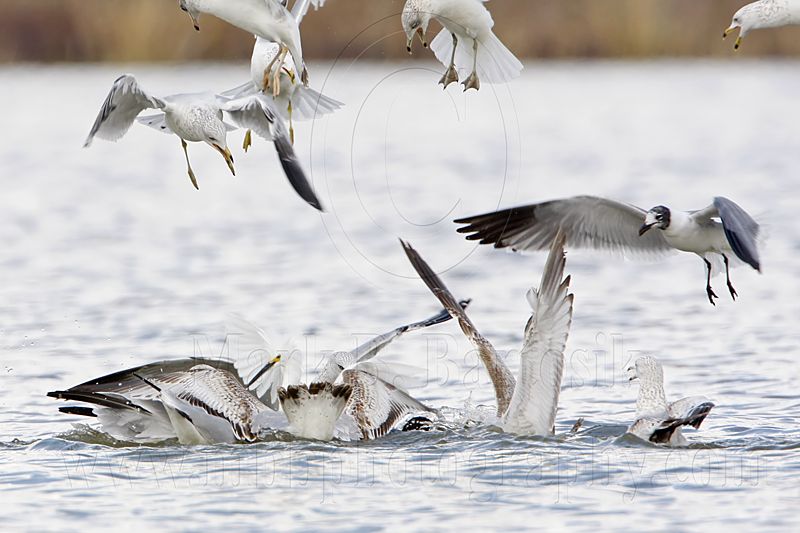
<point>157,121</point>
<point>369,349</point>
<point>691,410</point>
<point>254,358</point>
<point>501,376</point>
<point>257,113</point>
<point>217,396</point>
<point>535,400</point>
<point>377,405</point>
<point>300,8</point>
<point>740,230</point>
<point>123,103</point>
<point>587,222</point>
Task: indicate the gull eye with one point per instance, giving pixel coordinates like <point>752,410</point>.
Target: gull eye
<point>212,139</point>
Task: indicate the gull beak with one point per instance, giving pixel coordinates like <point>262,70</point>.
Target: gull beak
<point>645,227</point>
<point>631,373</point>
<point>421,35</point>
<point>195,21</point>
<point>226,154</point>
<point>729,30</point>
<point>272,363</point>
<point>409,43</point>
<point>738,43</point>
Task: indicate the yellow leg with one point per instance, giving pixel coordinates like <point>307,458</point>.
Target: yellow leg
<point>189,165</point>
<point>291,126</point>
<point>248,141</point>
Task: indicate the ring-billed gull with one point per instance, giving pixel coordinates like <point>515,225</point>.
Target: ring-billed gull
<point>198,117</point>
<point>294,101</point>
<point>466,44</point>
<point>593,222</point>
<point>269,19</point>
<point>656,420</point>
<point>528,405</point>
<point>763,14</point>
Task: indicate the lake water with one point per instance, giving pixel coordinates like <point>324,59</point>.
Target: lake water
<point>110,258</point>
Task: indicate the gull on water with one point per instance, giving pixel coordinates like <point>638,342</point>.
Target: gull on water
<point>269,19</point>
<point>195,399</point>
<point>763,14</point>
<point>378,402</point>
<point>656,420</point>
<point>203,401</point>
<point>198,117</point>
<point>526,405</point>
<point>466,44</point>
<point>593,222</point>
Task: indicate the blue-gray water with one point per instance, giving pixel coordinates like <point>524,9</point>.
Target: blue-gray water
<point>110,258</point>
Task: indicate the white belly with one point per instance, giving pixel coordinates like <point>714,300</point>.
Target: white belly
<point>698,239</point>
<point>464,17</point>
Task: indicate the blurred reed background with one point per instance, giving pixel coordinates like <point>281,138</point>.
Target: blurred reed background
<point>156,30</point>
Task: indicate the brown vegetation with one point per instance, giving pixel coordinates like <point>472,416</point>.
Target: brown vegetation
<point>156,30</point>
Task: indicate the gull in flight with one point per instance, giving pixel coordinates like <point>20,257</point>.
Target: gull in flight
<point>199,117</point>
<point>294,101</point>
<point>269,19</point>
<point>593,222</point>
<point>465,44</point>
<point>205,401</point>
<point>763,14</point>
<point>527,405</point>
<point>656,420</point>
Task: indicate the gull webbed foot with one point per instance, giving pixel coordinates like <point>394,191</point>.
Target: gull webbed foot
<point>711,294</point>
<point>733,292</point>
<point>450,76</point>
<point>472,82</point>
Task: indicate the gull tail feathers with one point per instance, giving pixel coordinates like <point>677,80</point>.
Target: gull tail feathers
<point>308,104</point>
<point>312,411</point>
<point>496,63</point>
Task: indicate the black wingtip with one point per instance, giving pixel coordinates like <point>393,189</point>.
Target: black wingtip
<point>295,174</point>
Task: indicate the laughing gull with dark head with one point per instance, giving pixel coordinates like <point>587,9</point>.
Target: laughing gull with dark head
<point>593,222</point>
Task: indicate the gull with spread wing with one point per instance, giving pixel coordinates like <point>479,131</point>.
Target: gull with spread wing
<point>199,117</point>
<point>656,420</point>
<point>378,402</point>
<point>763,14</point>
<point>465,44</point>
<point>593,222</point>
<point>526,405</point>
<point>204,401</point>
<point>197,400</point>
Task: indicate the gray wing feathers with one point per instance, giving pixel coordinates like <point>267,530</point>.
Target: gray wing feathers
<point>533,406</point>
<point>378,406</point>
<point>740,230</point>
<point>257,113</point>
<point>501,376</point>
<point>587,222</point>
<point>300,8</point>
<point>369,349</point>
<point>123,103</point>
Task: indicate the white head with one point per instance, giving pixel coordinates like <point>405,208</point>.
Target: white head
<point>215,134</point>
<point>647,369</point>
<point>415,20</point>
<point>194,14</point>
<point>746,19</point>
